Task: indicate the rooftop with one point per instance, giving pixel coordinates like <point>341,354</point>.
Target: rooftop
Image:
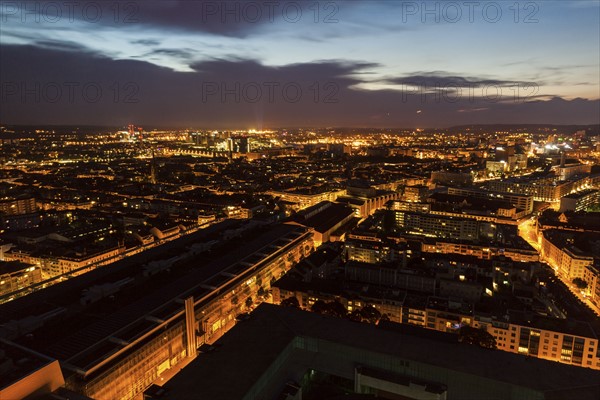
<point>82,336</point>
<point>9,267</point>
<point>271,330</point>
<point>579,195</point>
<point>568,326</point>
<point>324,216</point>
<point>68,292</point>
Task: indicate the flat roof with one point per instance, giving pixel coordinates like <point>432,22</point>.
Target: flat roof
<point>67,293</point>
<point>579,195</point>
<point>567,326</point>
<point>328,218</point>
<point>81,338</point>
<point>244,354</point>
<point>9,267</point>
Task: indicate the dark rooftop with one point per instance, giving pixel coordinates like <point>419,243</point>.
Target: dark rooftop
<point>87,334</point>
<point>579,195</point>
<point>251,347</point>
<point>324,216</point>
<point>9,267</point>
<point>568,326</point>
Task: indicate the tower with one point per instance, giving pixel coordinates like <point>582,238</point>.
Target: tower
<point>153,171</point>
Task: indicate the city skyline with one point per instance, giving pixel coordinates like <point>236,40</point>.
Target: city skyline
<point>299,200</point>
<point>356,64</point>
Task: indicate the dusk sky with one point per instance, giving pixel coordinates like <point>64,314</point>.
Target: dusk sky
<point>274,64</point>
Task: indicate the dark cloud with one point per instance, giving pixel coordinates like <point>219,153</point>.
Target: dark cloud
<point>239,93</point>
<point>438,79</point>
<point>61,45</point>
<point>241,18</point>
<point>146,42</point>
<point>238,18</point>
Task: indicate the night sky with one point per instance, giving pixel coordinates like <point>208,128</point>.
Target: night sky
<point>244,65</point>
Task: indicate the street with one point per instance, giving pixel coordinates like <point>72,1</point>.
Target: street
<point>527,230</point>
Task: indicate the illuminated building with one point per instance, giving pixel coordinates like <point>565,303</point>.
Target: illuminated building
<point>302,199</point>
<point>416,193</point>
<point>18,206</point>
<point>545,188</point>
<point>563,251</point>
<point>324,219</point>
<point>26,374</point>
<point>122,353</point>
<point>437,225</point>
<point>369,248</point>
<point>514,251</point>
<point>565,172</point>
<point>580,201</point>
<point>496,166</point>
<point>521,201</point>
<point>366,199</point>
<point>16,276</point>
<point>565,341</point>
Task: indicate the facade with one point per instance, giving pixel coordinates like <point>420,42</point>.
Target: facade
<point>53,266</point>
<point>305,200</point>
<point>560,251</point>
<point>520,201</point>
<point>365,206</point>
<point>565,172</point>
<point>16,276</point>
<point>41,376</point>
<point>496,166</point>
<point>563,341</point>
<point>485,252</point>
<point>580,201</point>
<point>17,207</point>
<point>416,193</point>
<point>410,206</point>
<point>438,226</point>
<point>372,249</point>
<point>548,189</point>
